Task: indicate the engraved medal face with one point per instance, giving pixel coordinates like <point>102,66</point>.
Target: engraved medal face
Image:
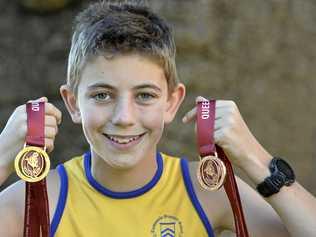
<point>32,164</point>
<point>211,173</point>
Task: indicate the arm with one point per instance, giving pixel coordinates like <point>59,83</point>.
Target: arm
<point>12,210</point>
<point>12,203</point>
<point>294,206</point>
<point>261,218</point>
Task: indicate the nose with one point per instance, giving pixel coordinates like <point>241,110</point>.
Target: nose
<point>123,114</point>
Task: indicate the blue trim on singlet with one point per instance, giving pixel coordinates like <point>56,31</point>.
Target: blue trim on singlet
<point>122,195</point>
<point>63,191</point>
<point>193,197</point>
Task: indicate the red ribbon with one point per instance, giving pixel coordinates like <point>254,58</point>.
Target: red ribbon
<point>36,215</point>
<point>205,135</point>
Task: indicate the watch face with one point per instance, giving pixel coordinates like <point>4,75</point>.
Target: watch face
<point>285,168</point>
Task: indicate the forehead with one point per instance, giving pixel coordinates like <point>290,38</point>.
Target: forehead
<point>122,71</point>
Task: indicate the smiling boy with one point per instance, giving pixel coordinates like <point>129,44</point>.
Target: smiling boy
<point>122,87</point>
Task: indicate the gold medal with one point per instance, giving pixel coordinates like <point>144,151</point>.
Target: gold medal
<point>211,173</point>
<point>32,164</point>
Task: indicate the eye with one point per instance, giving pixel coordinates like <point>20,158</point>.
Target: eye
<point>102,96</point>
<point>144,96</point>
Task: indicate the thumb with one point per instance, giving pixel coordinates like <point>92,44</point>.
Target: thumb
<point>200,98</point>
<point>41,99</point>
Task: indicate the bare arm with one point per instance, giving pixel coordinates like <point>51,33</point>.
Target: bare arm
<point>295,205</point>
<point>11,210</point>
<point>261,219</point>
<point>11,142</point>
<point>292,210</point>
<point>12,203</point>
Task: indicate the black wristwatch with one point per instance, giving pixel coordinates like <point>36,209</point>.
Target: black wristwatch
<point>281,174</point>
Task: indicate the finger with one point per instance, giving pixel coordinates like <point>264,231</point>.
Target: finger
<point>219,137</point>
<point>189,116</point>
<point>220,104</point>
<point>224,103</point>
<point>50,132</point>
<point>219,124</point>
<point>50,109</point>
<point>50,121</point>
<point>222,112</point>
<point>49,144</point>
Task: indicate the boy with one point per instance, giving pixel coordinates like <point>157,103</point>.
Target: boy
<point>122,87</point>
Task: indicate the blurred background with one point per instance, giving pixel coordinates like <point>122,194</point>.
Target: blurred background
<point>260,54</point>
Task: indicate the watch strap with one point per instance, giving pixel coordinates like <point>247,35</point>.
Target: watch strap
<point>273,183</point>
<point>269,186</point>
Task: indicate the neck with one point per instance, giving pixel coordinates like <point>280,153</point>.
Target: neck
<point>123,180</point>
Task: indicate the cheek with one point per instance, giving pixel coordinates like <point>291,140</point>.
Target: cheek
<point>153,119</point>
<point>93,117</point>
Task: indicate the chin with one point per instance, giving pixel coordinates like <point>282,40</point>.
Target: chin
<point>123,162</point>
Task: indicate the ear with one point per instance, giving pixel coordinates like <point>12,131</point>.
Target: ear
<point>71,103</point>
<point>174,101</point>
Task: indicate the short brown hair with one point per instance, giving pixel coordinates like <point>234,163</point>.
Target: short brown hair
<point>117,27</point>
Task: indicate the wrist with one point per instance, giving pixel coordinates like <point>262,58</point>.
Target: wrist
<point>7,155</point>
<point>281,174</point>
<point>257,167</point>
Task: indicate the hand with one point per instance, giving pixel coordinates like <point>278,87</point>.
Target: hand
<point>16,128</point>
<point>233,136</point>
<point>12,138</point>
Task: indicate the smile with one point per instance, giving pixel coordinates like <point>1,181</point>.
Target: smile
<point>123,142</point>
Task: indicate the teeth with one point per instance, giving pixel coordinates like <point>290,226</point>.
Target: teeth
<point>122,140</point>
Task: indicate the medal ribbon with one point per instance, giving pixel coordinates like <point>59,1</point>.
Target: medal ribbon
<point>205,127</point>
<point>36,216</point>
<point>205,135</point>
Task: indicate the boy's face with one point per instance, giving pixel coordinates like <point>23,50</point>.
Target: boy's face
<point>123,105</point>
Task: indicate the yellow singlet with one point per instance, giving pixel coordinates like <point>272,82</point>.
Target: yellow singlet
<point>165,207</point>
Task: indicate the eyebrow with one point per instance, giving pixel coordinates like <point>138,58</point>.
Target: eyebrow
<point>102,85</point>
<point>138,87</point>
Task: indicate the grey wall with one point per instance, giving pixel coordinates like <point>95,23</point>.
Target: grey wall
<point>258,53</point>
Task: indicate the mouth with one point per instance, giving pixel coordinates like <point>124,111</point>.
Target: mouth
<point>123,142</point>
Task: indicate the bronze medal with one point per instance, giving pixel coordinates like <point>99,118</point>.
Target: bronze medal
<point>32,164</point>
<point>211,173</point>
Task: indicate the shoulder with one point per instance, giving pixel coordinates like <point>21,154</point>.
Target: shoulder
<point>12,203</point>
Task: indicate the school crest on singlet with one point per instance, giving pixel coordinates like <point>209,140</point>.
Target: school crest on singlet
<point>167,226</point>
